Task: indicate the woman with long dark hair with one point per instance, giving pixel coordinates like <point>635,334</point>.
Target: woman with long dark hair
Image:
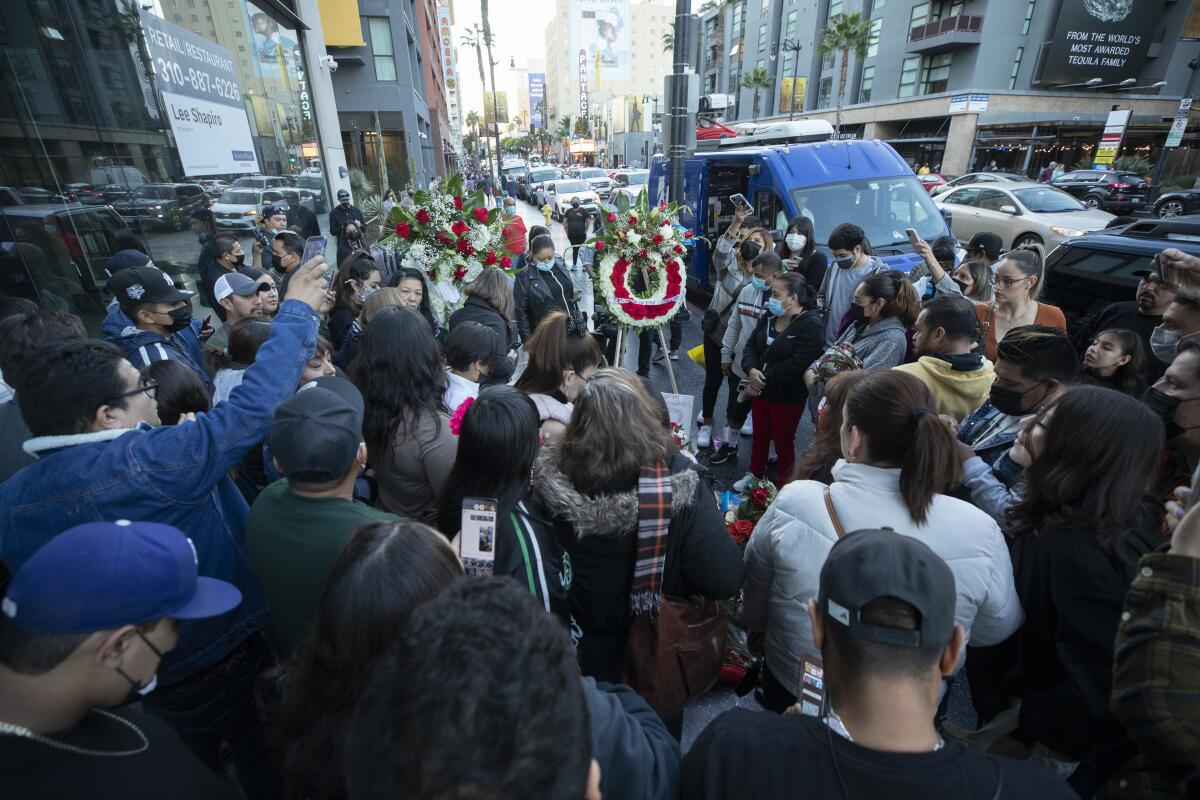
<point>1081,525</point>
<point>414,294</point>
<point>384,572</point>
<point>563,357</point>
<point>1116,358</point>
<point>799,253</point>
<point>490,302</point>
<point>898,459</point>
<point>180,391</point>
<point>357,279</point>
<point>406,424</point>
<point>497,445</point>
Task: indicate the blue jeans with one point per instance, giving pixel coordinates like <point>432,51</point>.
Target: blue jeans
<point>217,704</point>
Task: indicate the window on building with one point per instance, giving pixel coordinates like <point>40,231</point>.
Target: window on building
<point>868,80</point>
<point>878,4</point>
<point>762,38</point>
<point>1028,17</point>
<point>766,7</point>
<point>919,15</point>
<point>873,44</point>
<point>1016,67</point>
<point>908,76</point>
<point>824,92</point>
<point>791,25</point>
<point>835,7</point>
<point>191,3</point>
<point>761,64</point>
<point>827,61</point>
<point>380,30</point>
<point>935,73</point>
<point>194,17</point>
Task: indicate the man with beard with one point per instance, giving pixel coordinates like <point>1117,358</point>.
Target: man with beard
<point>1141,315</point>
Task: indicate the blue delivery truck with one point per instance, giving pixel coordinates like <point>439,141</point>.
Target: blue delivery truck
<point>865,182</point>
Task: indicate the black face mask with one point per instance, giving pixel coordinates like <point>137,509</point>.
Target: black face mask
<point>750,250</point>
<point>353,235</point>
<point>180,318</point>
<point>962,286</point>
<point>1164,405</point>
<point>239,260</point>
<point>1009,401</point>
<point>858,313</point>
<point>276,263</point>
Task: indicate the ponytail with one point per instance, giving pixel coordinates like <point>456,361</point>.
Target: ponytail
<point>897,415</point>
<point>900,299</point>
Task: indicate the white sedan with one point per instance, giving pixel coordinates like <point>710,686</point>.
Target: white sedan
<point>559,195</point>
<point>1028,213</point>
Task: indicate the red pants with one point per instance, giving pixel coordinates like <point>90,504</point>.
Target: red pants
<point>774,422</point>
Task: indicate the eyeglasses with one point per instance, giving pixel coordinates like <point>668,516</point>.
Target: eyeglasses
<point>1008,283</point>
<point>146,385</point>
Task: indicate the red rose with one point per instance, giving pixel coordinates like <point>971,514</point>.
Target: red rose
<point>687,235</point>
<point>481,214</point>
<point>460,273</point>
<point>464,247</point>
<point>459,228</point>
<point>599,246</point>
<point>740,530</point>
<point>662,206</point>
<point>442,238</point>
<point>632,219</point>
<point>422,216</point>
<point>641,254</point>
<point>402,230</point>
<point>505,262</point>
<point>759,497</point>
<point>679,249</point>
<point>458,203</point>
<point>658,239</point>
<point>490,258</point>
<point>612,217</point>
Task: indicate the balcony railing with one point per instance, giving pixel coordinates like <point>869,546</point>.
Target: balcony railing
<point>957,24</point>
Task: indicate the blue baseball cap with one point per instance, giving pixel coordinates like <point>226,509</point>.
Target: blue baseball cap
<point>102,575</point>
<point>124,259</point>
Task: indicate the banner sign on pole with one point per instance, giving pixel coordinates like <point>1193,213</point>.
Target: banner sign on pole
<point>1179,125</point>
<point>1110,140</point>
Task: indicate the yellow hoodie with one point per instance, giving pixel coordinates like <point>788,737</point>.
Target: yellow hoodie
<point>957,393</point>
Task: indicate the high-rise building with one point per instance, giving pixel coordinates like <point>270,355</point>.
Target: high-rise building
<point>962,83</point>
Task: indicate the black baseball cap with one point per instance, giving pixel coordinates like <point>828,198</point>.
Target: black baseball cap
<point>272,210</point>
<point>137,285</point>
<point>342,193</point>
<point>988,242</point>
<point>316,432</point>
<point>868,564</point>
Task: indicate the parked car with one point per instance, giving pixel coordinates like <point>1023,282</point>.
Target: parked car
<point>260,182</point>
<point>9,197</point>
<point>36,194</point>
<point>979,177</point>
<point>1086,273</point>
<point>932,181</point>
<point>1177,203</point>
<point>107,195</point>
<point>315,183</point>
<point>164,205</point>
<point>529,187</point>
<point>559,194</point>
<point>630,183</point>
<point>214,188</point>
<point>1107,189</point>
<point>1019,213</point>
<point>238,208</point>
<point>600,182</point>
<point>77,192</point>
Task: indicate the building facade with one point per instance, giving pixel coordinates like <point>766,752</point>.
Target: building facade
<point>1037,86</point>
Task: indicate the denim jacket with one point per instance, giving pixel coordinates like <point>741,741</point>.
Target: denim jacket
<point>174,474</point>
<point>989,432</point>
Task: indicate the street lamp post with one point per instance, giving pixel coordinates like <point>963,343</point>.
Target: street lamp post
<point>789,46</point>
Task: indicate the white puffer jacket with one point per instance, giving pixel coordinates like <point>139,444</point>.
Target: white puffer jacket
<point>791,541</point>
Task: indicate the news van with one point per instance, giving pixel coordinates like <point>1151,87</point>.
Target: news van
<point>790,169</point>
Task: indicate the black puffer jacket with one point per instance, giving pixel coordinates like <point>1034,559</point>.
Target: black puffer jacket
<point>599,533</point>
<point>483,312</point>
<point>537,293</point>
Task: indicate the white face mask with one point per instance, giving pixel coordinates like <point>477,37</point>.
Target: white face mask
<point>1164,344</point>
<point>149,687</point>
<point>795,241</point>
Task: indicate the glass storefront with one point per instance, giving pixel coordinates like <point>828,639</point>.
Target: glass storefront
<point>119,118</point>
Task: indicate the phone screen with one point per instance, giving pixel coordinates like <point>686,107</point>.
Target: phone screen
<point>912,236</point>
<point>477,536</point>
<point>812,686</point>
<point>740,201</point>
<point>313,246</point>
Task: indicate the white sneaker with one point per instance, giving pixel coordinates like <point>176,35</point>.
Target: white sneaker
<point>704,438</point>
<point>748,426</point>
<point>740,485</point>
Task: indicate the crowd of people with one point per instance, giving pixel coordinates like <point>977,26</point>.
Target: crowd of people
<point>334,544</point>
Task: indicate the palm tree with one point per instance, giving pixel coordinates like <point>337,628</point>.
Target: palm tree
<point>565,126</point>
<point>844,33</point>
<point>756,80</point>
<point>668,42</point>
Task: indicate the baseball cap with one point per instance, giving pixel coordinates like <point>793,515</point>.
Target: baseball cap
<point>145,285</point>
<point>272,210</point>
<point>237,283</point>
<point>342,193</point>
<point>989,243</point>
<point>123,259</point>
<point>102,575</point>
<point>868,564</point>
<point>316,432</point>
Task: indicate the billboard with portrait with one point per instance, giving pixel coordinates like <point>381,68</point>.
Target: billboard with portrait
<point>791,94</point>
<point>599,30</point>
<point>537,100</point>
<point>1106,39</point>
<point>633,114</point>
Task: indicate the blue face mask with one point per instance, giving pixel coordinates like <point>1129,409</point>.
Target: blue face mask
<point>544,266</point>
<point>775,307</point>
<point>760,284</point>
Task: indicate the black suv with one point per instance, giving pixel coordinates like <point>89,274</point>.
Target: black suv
<point>1086,273</point>
<point>1112,191</point>
<point>166,205</point>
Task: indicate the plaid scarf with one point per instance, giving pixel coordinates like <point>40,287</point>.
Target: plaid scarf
<point>654,519</point>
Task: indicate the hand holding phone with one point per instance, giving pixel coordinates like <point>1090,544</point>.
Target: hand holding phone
<point>913,238</point>
<point>741,206</point>
<point>477,536</point>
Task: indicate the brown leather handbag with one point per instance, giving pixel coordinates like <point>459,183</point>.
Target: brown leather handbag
<point>675,654</point>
